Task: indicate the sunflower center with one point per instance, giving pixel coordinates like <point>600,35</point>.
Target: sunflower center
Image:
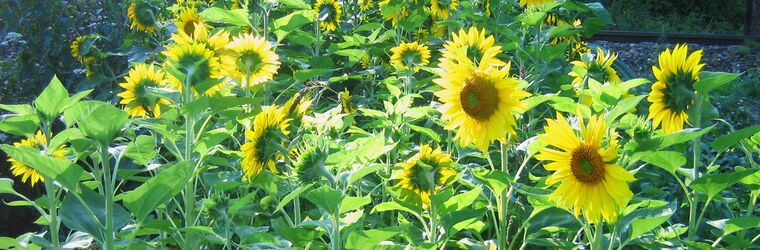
<point>250,62</point>
<point>597,72</point>
<point>587,165</point>
<point>679,91</point>
<point>479,98</point>
<point>425,176</point>
<point>411,57</point>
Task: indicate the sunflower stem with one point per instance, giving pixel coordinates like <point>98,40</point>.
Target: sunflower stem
<point>189,191</point>
<point>598,236</point>
<point>696,144</point>
<point>109,230</point>
<point>52,194</point>
<point>504,201</point>
<point>433,223</point>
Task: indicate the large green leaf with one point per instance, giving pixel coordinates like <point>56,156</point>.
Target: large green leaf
<point>712,80</point>
<point>104,124</point>
<point>460,201</point>
<point>351,203</point>
<point>6,186</point>
<point>62,171</point>
<point>326,198</point>
<point>364,171</point>
<point>643,220</point>
<point>496,180</point>
<point>668,160</point>
<point>714,184</point>
<point>52,99</point>
<point>732,225</point>
<point>157,190</point>
<point>726,141</point>
<point>79,111</point>
<point>236,17</point>
<point>90,217</point>
<point>363,239</point>
<point>20,125</point>
<point>623,107</point>
<point>141,150</point>
<point>682,136</point>
<point>294,4</point>
<point>292,195</point>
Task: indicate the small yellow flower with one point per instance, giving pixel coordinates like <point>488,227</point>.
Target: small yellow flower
<point>252,60</point>
<point>187,21</point>
<point>426,173</point>
<point>410,55</point>
<point>599,68</point>
<point>328,12</point>
<point>443,8</point>
<point>142,16</point>
<point>195,60</point>
<point>674,93</point>
<point>258,152</point>
<point>136,97</point>
<point>30,175</point>
<point>534,3</point>
<point>393,16</point>
<point>474,44</point>
<point>589,179</point>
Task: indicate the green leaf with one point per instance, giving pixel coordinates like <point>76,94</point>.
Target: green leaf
<point>726,141</point>
<point>283,26</point>
<point>643,220</point>
<point>6,186</point>
<point>62,171</point>
<point>79,111</point>
<point>351,203</point>
<point>142,150</point>
<point>104,124</point>
<point>292,195</point>
<point>304,75</point>
<point>712,80</point>
<point>732,225</point>
<point>21,109</point>
<point>51,101</point>
<point>623,107</point>
<point>392,205</point>
<point>326,198</point>
<point>460,201</point>
<point>668,160</point>
<point>532,18</point>
<point>496,180</point>
<point>373,237</point>
<point>237,204</point>
<point>682,136</point>
<point>646,224</point>
<point>714,184</point>
<point>74,99</point>
<point>90,217</point>
<point>207,231</point>
<point>427,132</point>
<point>143,199</point>
<point>361,172</point>
<point>295,4</point>
<point>236,17</point>
<point>21,125</point>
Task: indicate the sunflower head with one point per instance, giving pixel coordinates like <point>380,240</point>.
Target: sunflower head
<point>311,165</point>
<point>673,93</point>
<point>479,101</point>
<point>142,16</point>
<point>28,174</point>
<point>392,12</point>
<point>365,5</point>
<point>410,55</point>
<point>345,102</point>
<point>83,46</point>
<point>474,44</point>
<point>328,14</point>
<point>270,127</point>
<point>443,8</point>
<point>426,173</point>
<point>598,68</point>
<point>534,3</point>
<point>194,61</point>
<point>585,167</point>
<point>188,21</point>
<point>136,96</point>
<point>252,60</point>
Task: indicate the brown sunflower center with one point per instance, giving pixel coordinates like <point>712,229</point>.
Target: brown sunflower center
<point>587,165</point>
<point>479,97</point>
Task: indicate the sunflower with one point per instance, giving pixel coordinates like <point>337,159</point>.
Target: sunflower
<point>136,97</point>
<point>187,21</point>
<point>475,45</point>
<point>443,8</point>
<point>599,69</point>
<point>590,180</point>
<point>252,60</point>
<point>534,3</point>
<point>259,151</point>
<point>195,60</point>
<point>90,63</point>
<point>345,102</point>
<point>30,175</point>
<point>393,15</point>
<point>479,100</point>
<point>142,16</point>
<point>76,48</point>
<point>426,172</point>
<point>217,43</point>
<point>365,5</point>
<point>328,12</point>
<point>673,93</point>
<point>410,55</point>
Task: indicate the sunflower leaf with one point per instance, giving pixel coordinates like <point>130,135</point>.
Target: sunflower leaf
<point>362,239</point>
<point>726,141</point>
<point>142,200</point>
<point>64,172</point>
<point>668,160</point>
<point>729,226</point>
<point>712,185</point>
<point>713,80</point>
<point>52,100</point>
<point>326,198</point>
